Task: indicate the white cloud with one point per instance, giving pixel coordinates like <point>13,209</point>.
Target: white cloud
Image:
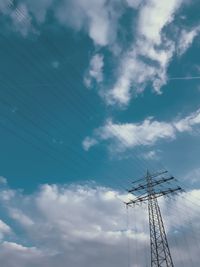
<point>146,133</point>
<point>7,195</point>
<point>88,143</point>
<point>134,3</point>
<point>95,17</point>
<point>14,246</point>
<point>135,72</point>
<point>81,219</point>
<point>186,39</point>
<point>149,57</point>
<point>81,225</point>
<point>188,122</point>
<point>154,16</point>
<point>131,134</point>
<point>186,200</point>
<point>151,155</point>
<point>147,61</point>
<point>13,254</point>
<point>132,72</point>
<point>4,229</point>
<point>20,217</point>
<point>22,13</point>
<point>144,63</point>
<point>22,20</point>
<point>95,72</point>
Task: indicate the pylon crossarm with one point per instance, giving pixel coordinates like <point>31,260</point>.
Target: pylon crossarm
<point>154,183</point>
<point>148,190</point>
<point>146,197</point>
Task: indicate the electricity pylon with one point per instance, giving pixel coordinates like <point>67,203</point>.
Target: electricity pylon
<point>149,189</point>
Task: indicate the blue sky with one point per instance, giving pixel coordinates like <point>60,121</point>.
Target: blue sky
<point>93,92</point>
<point>61,81</point>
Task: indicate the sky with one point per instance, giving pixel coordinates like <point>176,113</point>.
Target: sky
<point>94,93</point>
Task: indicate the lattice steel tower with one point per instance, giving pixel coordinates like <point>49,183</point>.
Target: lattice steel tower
<point>149,189</point>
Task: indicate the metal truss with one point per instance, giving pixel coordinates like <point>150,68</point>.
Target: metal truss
<point>149,190</point>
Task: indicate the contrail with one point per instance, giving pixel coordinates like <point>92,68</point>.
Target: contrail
<point>185,78</point>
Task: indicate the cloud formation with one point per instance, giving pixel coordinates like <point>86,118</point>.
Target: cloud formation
<point>146,133</point>
<point>94,17</point>
<point>144,62</point>
<point>88,142</point>
<point>84,224</point>
<point>186,39</point>
<point>148,59</point>
<point>95,72</point>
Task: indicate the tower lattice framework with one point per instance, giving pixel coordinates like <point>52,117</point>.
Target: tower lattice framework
<point>150,188</point>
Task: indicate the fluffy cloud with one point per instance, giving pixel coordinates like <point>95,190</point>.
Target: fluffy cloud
<point>130,134</point>
<point>188,122</point>
<point>151,155</point>
<point>146,133</point>
<point>13,254</point>
<point>154,16</point>
<point>96,17</point>
<point>93,17</point>
<point>133,3</point>
<point>95,72</point>
<point>89,142</point>
<point>144,62</point>
<point>80,225</point>
<point>4,229</point>
<point>148,59</point>
<point>17,215</point>
<point>186,39</point>
<point>19,16</point>
<point>132,72</point>
<point>22,20</point>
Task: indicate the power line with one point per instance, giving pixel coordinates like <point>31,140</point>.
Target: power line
<point>185,78</point>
